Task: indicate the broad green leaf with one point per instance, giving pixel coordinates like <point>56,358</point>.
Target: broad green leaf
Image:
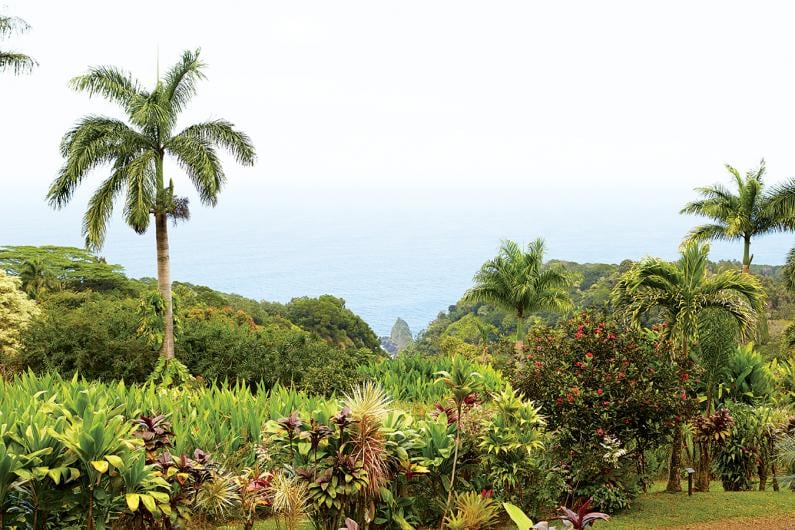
<point>520,519</point>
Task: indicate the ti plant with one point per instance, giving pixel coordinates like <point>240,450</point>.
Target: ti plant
<point>463,386</point>
<point>254,488</point>
<point>575,520</point>
<point>156,433</point>
<point>582,518</point>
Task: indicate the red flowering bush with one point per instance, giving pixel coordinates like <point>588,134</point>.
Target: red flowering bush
<point>610,394</point>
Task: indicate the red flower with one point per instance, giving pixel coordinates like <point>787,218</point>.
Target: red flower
<point>589,355</point>
<point>685,376</point>
<point>486,493</point>
<point>683,395</point>
<point>600,392</point>
<point>605,403</point>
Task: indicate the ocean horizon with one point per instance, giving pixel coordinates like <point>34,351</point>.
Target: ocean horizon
<point>388,254</point>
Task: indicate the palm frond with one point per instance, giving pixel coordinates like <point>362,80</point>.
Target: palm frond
<point>94,141</point>
<point>12,26</point>
<point>222,134</point>
<point>100,207</point>
<point>782,199</point>
<point>112,84</point>
<point>141,192</point>
<point>197,157</point>
<point>713,232</point>
<point>179,83</point>
<point>16,62</point>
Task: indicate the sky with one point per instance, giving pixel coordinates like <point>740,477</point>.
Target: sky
<point>588,123</point>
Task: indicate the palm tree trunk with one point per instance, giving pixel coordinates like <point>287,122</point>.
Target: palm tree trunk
<point>674,480</point>
<point>520,332</point>
<point>747,254</point>
<point>704,466</point>
<point>164,284</point>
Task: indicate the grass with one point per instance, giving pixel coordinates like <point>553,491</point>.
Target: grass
<point>664,510</point>
<point>708,511</point>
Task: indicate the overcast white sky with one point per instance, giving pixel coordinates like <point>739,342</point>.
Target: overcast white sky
<point>615,103</point>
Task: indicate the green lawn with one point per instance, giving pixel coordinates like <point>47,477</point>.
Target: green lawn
<point>663,510</point>
<point>659,510</point>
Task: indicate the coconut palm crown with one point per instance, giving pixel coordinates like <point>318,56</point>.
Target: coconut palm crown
<point>683,289</point>
<point>134,152</point>
<point>743,215</point>
<point>517,281</point>
<point>682,292</point>
<point>16,62</point>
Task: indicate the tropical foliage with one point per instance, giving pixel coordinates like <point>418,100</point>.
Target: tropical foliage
<point>516,280</point>
<point>14,61</point>
<point>135,152</point>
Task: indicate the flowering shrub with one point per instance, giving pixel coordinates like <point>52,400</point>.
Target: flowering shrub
<point>610,394</point>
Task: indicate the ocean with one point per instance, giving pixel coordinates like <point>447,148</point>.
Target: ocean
<point>406,253</point>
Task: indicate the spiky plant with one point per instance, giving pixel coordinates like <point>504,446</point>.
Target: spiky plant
<point>369,405</point>
<point>218,496</point>
<point>473,511</point>
<point>682,292</point>
<point>290,500</point>
<point>738,216</point>
<point>517,281</point>
<point>135,152</point>
<point>16,62</point>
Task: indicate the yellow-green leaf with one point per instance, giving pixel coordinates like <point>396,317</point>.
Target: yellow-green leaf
<point>133,500</point>
<point>115,461</point>
<point>149,503</point>
<point>100,465</point>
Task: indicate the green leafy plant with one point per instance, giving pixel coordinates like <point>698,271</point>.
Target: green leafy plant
<point>473,511</point>
<point>463,386</point>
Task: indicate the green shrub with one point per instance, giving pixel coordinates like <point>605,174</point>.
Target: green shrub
<point>610,394</point>
<point>88,333</point>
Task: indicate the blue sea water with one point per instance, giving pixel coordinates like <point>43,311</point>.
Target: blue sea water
<point>388,253</point>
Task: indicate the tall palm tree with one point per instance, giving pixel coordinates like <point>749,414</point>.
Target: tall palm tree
<point>135,153</point>
<point>681,292</point>
<point>16,62</point>
<point>743,215</point>
<point>517,281</point>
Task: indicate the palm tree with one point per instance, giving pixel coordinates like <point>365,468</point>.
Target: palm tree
<point>136,151</point>
<point>517,281</point>
<point>681,292</point>
<point>16,62</point>
<point>741,216</point>
<point>37,279</point>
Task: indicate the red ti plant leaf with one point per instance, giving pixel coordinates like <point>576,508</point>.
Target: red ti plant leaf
<point>582,518</point>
